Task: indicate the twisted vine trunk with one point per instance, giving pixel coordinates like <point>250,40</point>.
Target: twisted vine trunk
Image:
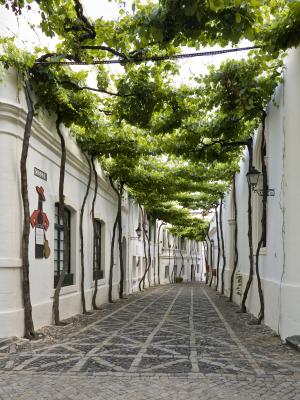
<point>206,261</point>
<point>122,274</point>
<point>218,240</point>
<point>142,280</point>
<point>149,255</point>
<point>223,248</point>
<point>236,254</point>
<point>158,253</point>
<point>154,245</point>
<point>250,238</point>
<point>182,263</point>
<point>63,217</point>
<point>174,263</point>
<point>263,237</point>
<point>81,237</point>
<point>148,259</point>
<point>191,254</point>
<point>169,262</point>
<point>119,217</point>
<point>94,305</point>
<point>111,267</point>
<point>29,332</point>
<point>201,261</point>
<point>211,263</point>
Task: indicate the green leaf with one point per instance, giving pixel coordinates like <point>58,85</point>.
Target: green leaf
<point>238,18</point>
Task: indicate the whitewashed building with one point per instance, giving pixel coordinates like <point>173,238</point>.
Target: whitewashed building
<point>279,257</point>
<point>43,172</point>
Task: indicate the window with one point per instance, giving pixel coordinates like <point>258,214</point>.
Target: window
<point>164,238</point>
<point>182,243</point>
<point>98,251</point>
<point>150,229</point>
<point>166,272</point>
<point>134,265</point>
<point>59,242</point>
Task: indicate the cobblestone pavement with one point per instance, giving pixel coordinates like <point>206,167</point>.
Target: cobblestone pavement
<point>178,341</point>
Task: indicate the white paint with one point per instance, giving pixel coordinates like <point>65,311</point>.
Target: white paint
<point>278,262</point>
<point>44,153</point>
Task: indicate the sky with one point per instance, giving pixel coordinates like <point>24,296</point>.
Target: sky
<point>188,67</point>
<point>28,37</point>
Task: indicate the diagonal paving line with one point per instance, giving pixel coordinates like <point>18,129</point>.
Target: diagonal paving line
<point>105,363</point>
<point>193,348</point>
<point>241,347</point>
<point>276,362</point>
<point>116,311</point>
<point>181,360</point>
<point>46,348</point>
<point>107,341</point>
<point>144,348</point>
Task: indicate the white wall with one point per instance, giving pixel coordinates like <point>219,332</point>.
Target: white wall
<point>44,153</point>
<point>278,261</point>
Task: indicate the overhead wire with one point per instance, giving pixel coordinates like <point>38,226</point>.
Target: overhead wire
<point>138,60</point>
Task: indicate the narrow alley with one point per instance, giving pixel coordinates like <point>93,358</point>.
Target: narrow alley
<point>176,341</point>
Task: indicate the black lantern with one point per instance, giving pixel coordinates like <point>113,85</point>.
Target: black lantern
<point>252,177</point>
<point>139,231</point>
<point>212,242</point>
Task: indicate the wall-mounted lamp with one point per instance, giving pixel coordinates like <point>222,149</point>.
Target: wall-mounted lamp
<point>253,177</point>
<point>139,231</point>
<point>212,242</point>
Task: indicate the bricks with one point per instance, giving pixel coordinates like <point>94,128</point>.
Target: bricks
<point>180,342</point>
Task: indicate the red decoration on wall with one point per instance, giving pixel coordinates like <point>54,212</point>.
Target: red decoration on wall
<point>39,221</point>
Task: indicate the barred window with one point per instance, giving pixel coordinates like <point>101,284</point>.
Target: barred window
<point>59,243</point>
<point>98,270</point>
<point>166,272</point>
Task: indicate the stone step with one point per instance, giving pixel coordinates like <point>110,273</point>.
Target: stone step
<point>294,341</point>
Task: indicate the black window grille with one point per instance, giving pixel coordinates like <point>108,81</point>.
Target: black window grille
<point>97,269</point>
<point>59,243</point>
<point>166,271</point>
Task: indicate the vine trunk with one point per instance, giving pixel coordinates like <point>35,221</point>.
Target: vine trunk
<point>29,331</point>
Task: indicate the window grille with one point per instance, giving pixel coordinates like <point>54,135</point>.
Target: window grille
<point>97,257</point>
<point>59,243</point>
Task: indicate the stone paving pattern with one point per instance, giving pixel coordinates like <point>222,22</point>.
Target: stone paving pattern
<point>178,341</point>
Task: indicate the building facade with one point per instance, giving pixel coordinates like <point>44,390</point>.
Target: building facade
<point>280,253</point>
<point>43,166</point>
